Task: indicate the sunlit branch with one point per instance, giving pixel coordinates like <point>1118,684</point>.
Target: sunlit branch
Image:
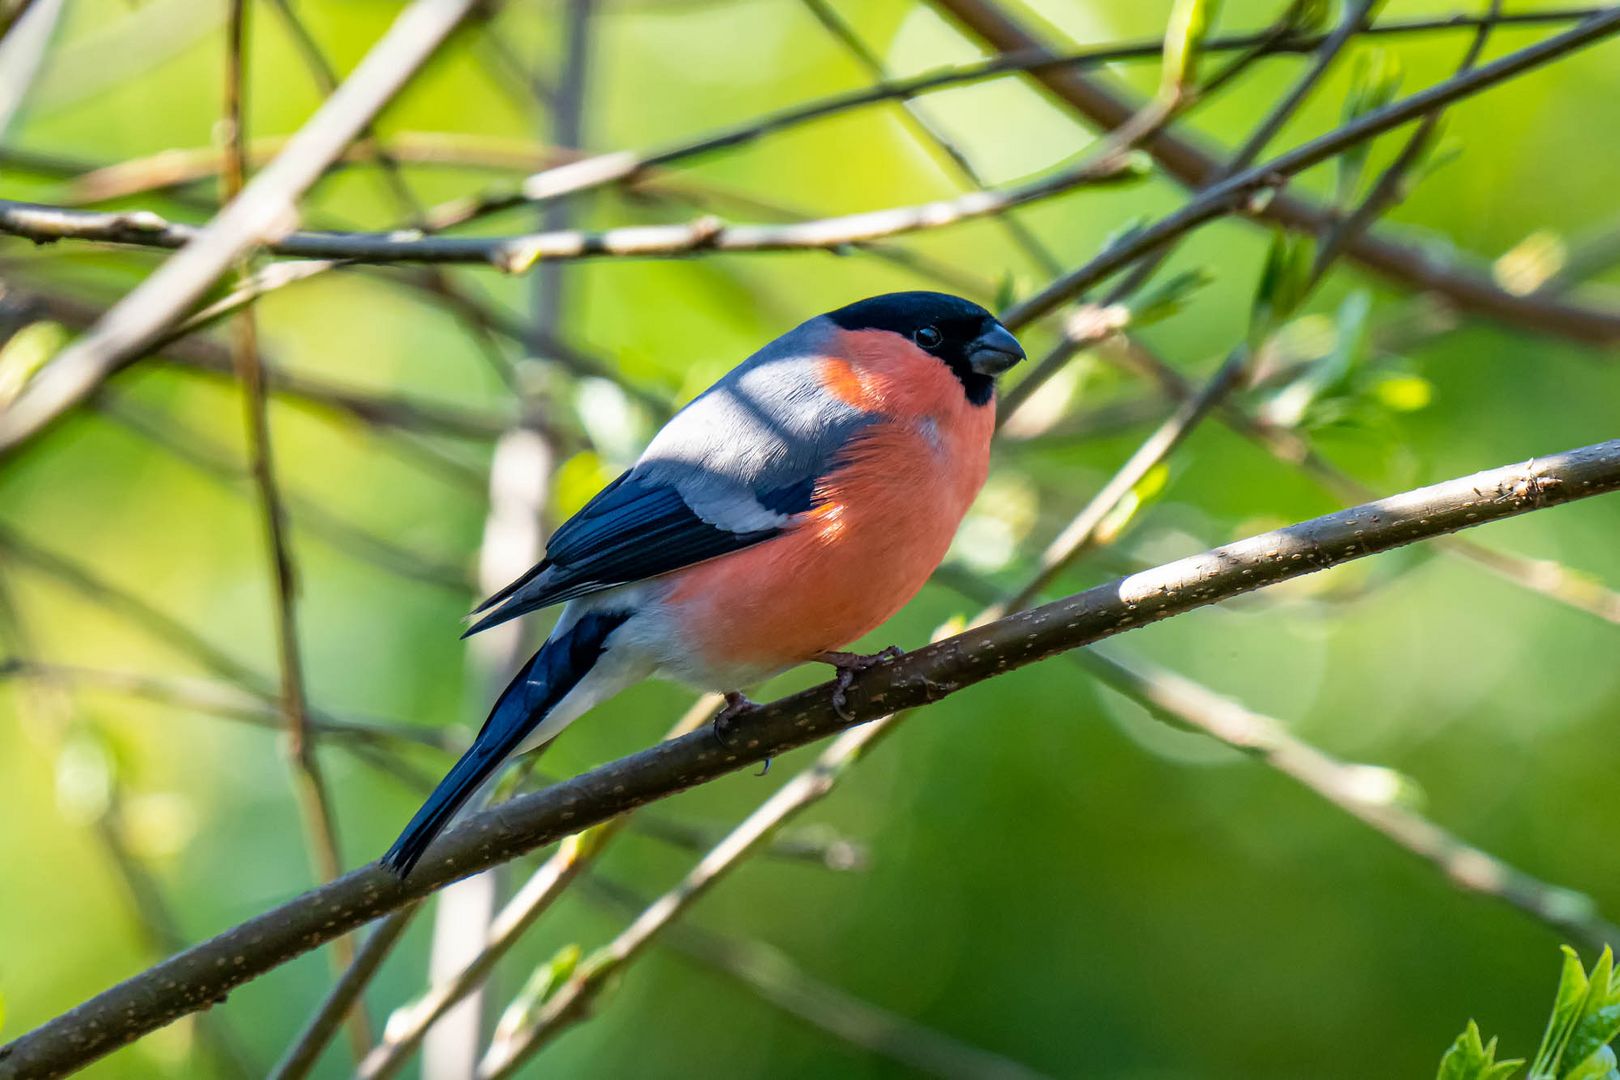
<point>193,979</point>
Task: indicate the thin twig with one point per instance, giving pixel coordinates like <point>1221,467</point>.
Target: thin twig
<point>1083,532</point>
<point>933,132</point>
<point>314,801</point>
<point>1347,786</point>
<point>520,253</point>
<point>370,407</point>
<point>518,1036</point>
<point>303,512</point>
<point>466,919</point>
<point>223,699</point>
<point>1086,329</point>
<point>345,994</point>
<point>624,166</point>
<point>1542,576</point>
<point>1406,264</point>
<point>410,1024</point>
<point>264,209</point>
<point>1239,190</point>
<point>572,1002</point>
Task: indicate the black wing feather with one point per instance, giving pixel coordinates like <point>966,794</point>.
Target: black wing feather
<point>635,528</point>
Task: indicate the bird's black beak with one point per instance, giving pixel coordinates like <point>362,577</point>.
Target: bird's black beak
<point>994,351</point>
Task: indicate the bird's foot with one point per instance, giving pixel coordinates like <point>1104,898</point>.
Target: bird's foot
<point>849,665</point>
<point>737,706</point>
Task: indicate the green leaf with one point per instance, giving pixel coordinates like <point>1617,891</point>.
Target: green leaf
<point>1169,297</point>
<point>1189,25</point>
<point>1471,1059</point>
<point>545,981</point>
<point>1600,1066</point>
<point>1567,1006</point>
<point>1403,393</point>
<point>1006,292</point>
<point>1284,283</point>
<point>1375,78</point>
<point>1306,16</point>
<point>23,355</point>
<point>1332,372</point>
<point>1597,1024</point>
<point>1142,494</point>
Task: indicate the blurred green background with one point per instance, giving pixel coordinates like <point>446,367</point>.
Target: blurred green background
<point>1053,875</point>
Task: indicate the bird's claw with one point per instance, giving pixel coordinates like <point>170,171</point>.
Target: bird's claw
<point>737,706</point>
<point>850,665</point>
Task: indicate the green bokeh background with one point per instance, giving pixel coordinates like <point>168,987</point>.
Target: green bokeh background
<point>1054,875</point>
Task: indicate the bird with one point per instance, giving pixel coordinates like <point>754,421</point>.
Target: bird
<point>791,508</point>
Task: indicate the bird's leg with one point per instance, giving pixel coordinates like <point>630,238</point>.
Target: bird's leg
<point>737,705</point>
<point>849,665</point>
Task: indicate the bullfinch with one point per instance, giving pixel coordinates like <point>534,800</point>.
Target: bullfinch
<point>791,508</point>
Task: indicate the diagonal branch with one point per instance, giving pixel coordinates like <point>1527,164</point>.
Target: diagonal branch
<point>1239,190</point>
<point>265,208</point>
<point>1346,786</point>
<point>1404,264</point>
<point>199,976</point>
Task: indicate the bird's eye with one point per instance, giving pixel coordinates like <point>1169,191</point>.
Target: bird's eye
<point>927,337</point>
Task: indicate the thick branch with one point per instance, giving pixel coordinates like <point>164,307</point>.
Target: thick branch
<point>202,975</point>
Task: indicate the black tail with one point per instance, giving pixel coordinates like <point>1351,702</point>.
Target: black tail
<point>548,676</point>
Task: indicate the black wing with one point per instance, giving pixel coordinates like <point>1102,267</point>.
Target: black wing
<point>635,528</point>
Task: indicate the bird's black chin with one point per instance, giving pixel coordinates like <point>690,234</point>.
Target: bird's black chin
<point>979,388</point>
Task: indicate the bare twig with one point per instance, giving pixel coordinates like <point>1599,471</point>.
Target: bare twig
<point>518,254</point>
<point>301,511</point>
<point>370,407</point>
<point>264,209</point>
<point>1466,290</point>
<point>1091,328</point>
<point>815,845</point>
<point>223,699</point>
<point>1361,791</point>
<point>410,1024</point>
<point>527,1026</point>
<point>314,801</point>
<point>345,994</point>
<point>1083,531</point>
<point>525,1035</point>
<point>465,920</point>
<point>23,52</point>
<point>521,252</point>
<point>933,132</point>
<point>1238,190</point>
<point>624,166</point>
